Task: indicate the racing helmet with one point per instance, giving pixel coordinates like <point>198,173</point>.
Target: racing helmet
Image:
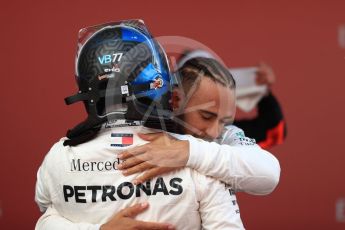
<point>122,73</point>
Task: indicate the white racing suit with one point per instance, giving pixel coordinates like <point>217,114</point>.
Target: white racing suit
<point>236,160</point>
<point>81,187</point>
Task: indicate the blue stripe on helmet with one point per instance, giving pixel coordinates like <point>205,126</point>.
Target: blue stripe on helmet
<point>147,76</point>
<point>131,35</point>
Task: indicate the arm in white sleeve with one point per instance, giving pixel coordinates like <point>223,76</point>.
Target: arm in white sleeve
<point>42,196</point>
<point>218,205</point>
<point>245,166</point>
<point>45,186</point>
<point>51,220</point>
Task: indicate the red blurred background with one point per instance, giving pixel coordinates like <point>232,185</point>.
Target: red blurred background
<point>298,38</point>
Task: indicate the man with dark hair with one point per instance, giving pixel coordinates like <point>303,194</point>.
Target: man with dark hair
<point>204,105</point>
<point>269,127</point>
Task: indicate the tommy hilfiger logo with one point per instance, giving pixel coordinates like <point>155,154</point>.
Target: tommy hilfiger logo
<point>121,139</point>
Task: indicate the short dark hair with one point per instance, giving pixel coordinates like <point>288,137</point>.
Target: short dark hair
<point>192,71</point>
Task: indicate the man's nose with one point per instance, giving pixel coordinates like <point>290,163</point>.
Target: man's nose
<point>213,131</point>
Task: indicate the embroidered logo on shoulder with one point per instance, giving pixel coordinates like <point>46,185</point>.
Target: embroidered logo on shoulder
<point>240,134</point>
<point>245,141</point>
<point>121,139</point>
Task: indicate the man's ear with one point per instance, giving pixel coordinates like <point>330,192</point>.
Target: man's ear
<point>176,98</point>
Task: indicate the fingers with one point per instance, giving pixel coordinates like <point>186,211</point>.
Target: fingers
<point>161,139</point>
<point>265,75</point>
<point>132,152</point>
<point>133,161</point>
<point>153,226</point>
<point>138,168</point>
<point>150,136</point>
<point>134,210</point>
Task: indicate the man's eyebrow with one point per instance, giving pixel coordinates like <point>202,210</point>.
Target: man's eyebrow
<point>209,112</point>
<point>227,119</point>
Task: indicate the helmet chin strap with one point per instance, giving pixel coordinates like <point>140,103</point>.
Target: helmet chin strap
<point>89,128</point>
